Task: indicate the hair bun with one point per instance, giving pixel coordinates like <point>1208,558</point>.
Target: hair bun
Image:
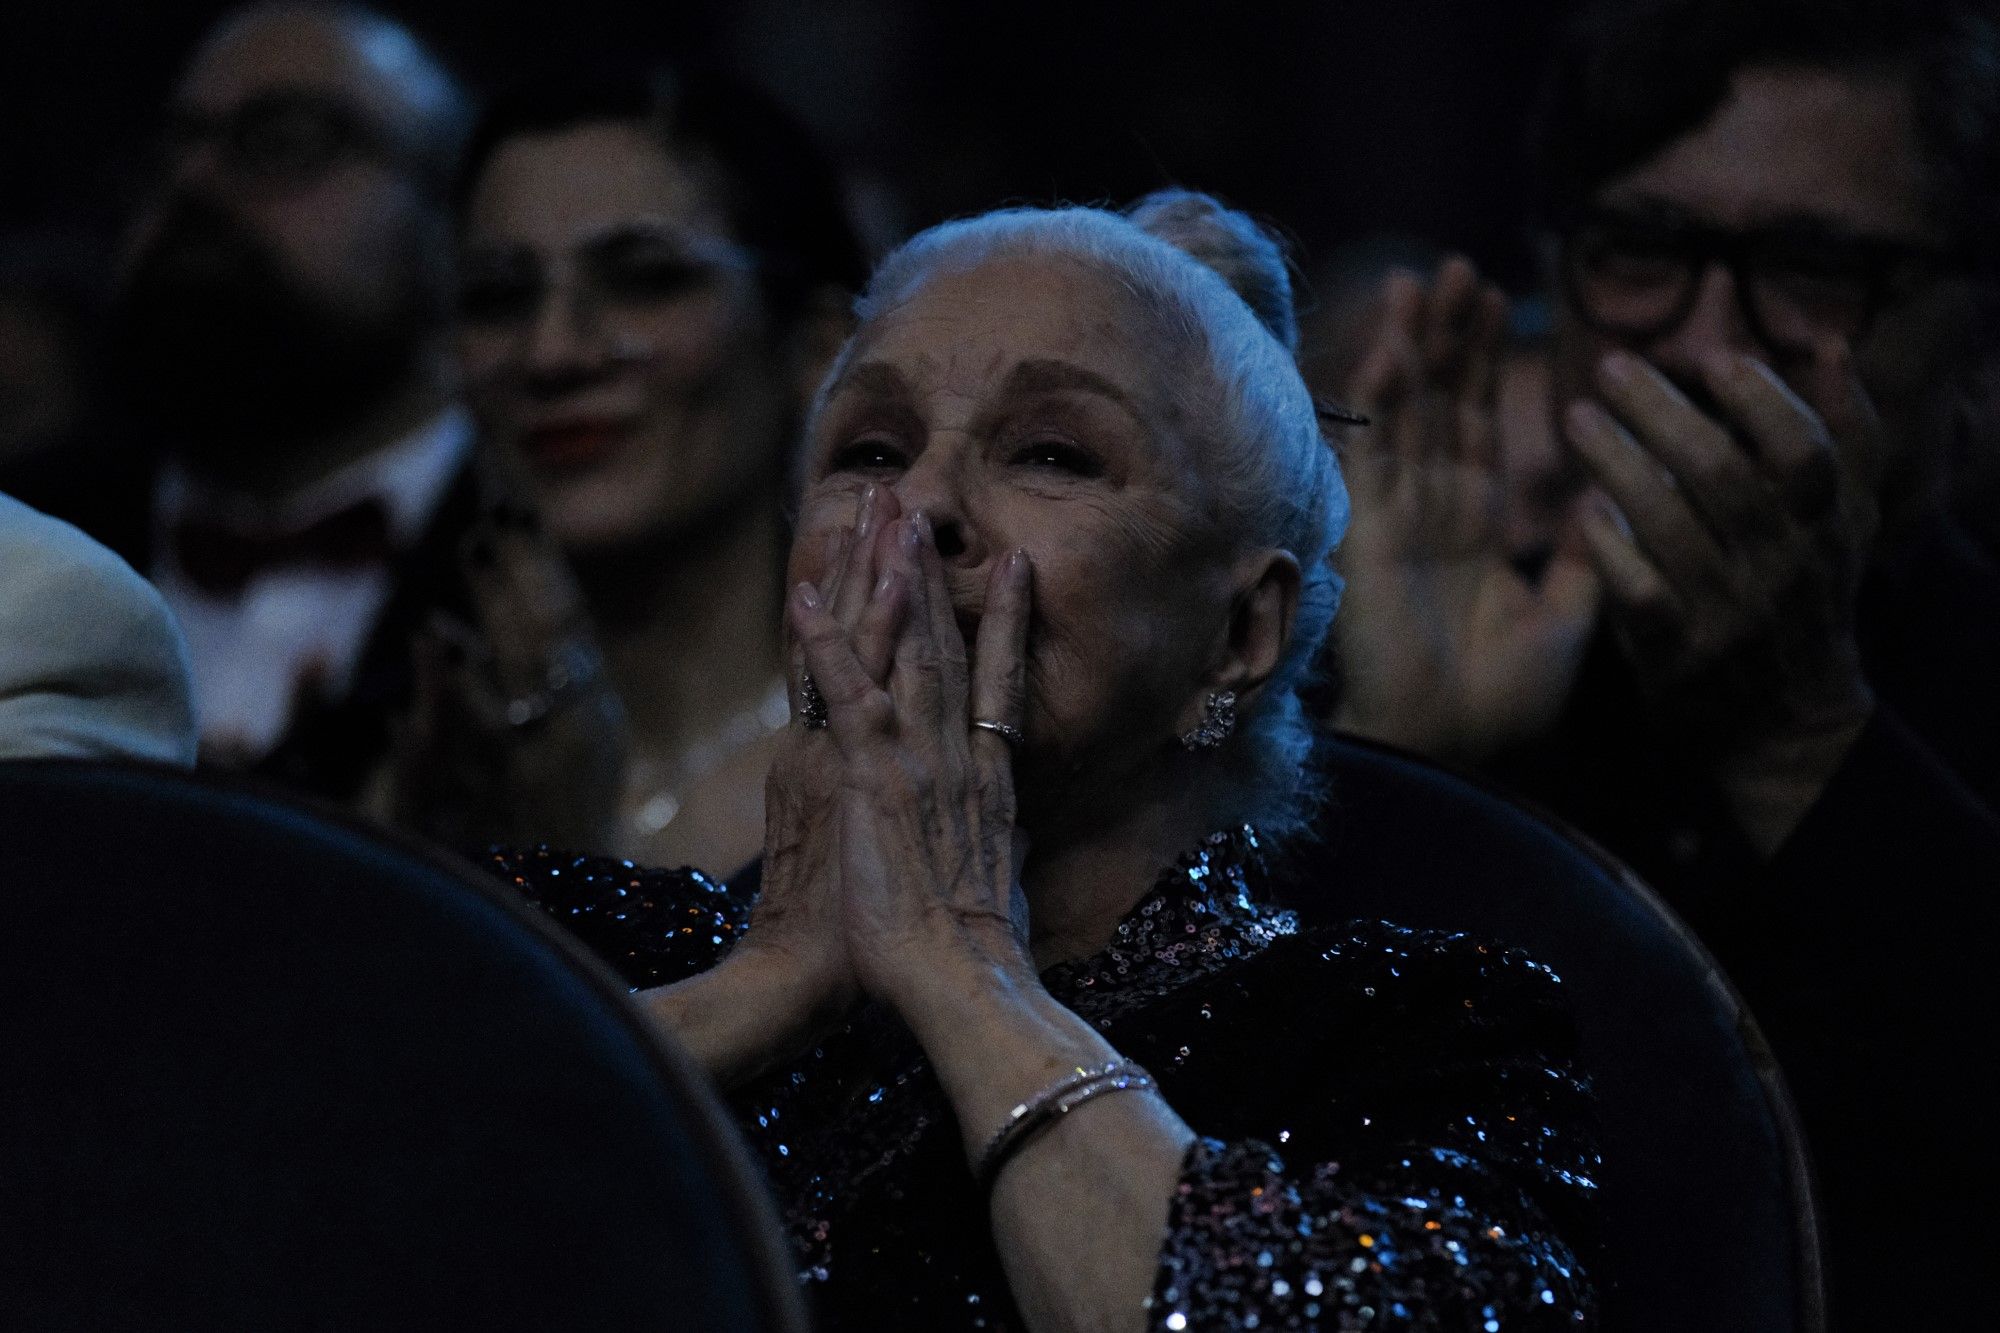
<point>1246,255</point>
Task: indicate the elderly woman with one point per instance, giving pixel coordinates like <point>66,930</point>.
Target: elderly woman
<point>1006,1021</point>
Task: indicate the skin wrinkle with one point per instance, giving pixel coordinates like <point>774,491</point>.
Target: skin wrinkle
<point>970,397</point>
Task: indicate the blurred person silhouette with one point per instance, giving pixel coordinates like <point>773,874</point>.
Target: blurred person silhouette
<point>91,663</point>
<point>55,451</point>
<point>281,332</point>
<point>1756,659</point>
<point>656,271</point>
<point>42,351</point>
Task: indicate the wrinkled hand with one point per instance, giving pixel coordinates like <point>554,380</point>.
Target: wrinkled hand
<point>1443,646</point>
<point>797,919</point>
<point>514,733</point>
<point>929,851</point>
<point>1731,547</point>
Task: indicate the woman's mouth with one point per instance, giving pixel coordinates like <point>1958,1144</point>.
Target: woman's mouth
<point>576,445</point>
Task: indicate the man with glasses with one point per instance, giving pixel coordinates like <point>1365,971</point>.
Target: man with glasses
<point>1774,228</point>
<point>280,338</point>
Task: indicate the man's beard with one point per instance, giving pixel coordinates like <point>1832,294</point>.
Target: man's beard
<point>226,354</point>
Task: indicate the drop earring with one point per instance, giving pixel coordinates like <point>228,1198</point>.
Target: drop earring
<point>1218,720</point>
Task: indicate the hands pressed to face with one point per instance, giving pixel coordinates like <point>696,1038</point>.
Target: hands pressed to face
<point>893,849</point>
<point>1731,540</point>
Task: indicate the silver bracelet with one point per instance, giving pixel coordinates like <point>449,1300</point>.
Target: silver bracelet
<point>1038,1112</point>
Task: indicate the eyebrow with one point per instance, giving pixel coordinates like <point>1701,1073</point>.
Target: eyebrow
<point>876,378</point>
<point>1037,375</point>
<point>1044,375</point>
<point>1810,227</point>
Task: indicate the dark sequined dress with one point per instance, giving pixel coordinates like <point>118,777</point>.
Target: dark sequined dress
<point>1393,1131</point>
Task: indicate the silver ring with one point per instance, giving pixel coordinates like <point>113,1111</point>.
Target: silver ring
<point>812,705</point>
<point>1011,735</point>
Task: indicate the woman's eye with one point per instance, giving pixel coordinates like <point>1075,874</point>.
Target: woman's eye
<point>649,277</point>
<point>1060,455</point>
<point>872,454</point>
<point>497,300</point>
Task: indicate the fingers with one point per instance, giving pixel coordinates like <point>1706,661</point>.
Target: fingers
<point>856,706</point>
<point>999,690</point>
<point>1710,470</point>
<point>858,573</point>
<point>1834,389</point>
<point>1449,310</point>
<point>1479,393</point>
<point>1794,452</point>
<point>1666,527</point>
<point>847,586</point>
<point>1644,600</point>
<point>881,623</point>
<point>927,677</point>
<point>1389,371</point>
<point>1571,586</point>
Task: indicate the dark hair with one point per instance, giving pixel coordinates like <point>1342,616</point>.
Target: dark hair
<point>781,196</point>
<point>1632,76</point>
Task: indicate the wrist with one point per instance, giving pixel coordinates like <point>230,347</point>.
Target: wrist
<point>808,987</point>
<point>1770,784</point>
<point>955,996</point>
<point>949,969</point>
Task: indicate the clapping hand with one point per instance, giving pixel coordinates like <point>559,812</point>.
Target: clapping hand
<point>1443,646</point>
<point>1731,542</point>
<point>514,733</point>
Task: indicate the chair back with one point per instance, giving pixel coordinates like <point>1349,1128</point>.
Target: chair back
<point>266,1068</point>
<point>1706,1194</point>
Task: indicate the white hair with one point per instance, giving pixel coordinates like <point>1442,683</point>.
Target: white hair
<point>1273,478</point>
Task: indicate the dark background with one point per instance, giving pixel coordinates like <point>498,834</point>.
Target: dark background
<point>1335,121</point>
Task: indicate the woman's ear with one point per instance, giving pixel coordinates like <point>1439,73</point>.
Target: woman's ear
<point>815,338</point>
<point>1261,616</point>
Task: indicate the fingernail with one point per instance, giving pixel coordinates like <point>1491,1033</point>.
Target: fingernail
<point>1017,563</point>
<point>808,596</point>
<point>864,522</point>
<point>1617,368</point>
<point>912,535</point>
<point>884,584</point>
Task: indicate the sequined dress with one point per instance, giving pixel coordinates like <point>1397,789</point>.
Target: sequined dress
<point>1393,1131</point>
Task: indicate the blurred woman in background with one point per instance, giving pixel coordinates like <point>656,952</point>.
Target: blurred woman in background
<point>656,271</point>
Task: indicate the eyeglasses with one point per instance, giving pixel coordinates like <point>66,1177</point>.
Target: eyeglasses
<point>1638,275</point>
<point>283,137</point>
<point>634,266</point>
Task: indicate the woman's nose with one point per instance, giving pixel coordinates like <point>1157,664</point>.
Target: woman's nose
<point>564,343</point>
<point>937,483</point>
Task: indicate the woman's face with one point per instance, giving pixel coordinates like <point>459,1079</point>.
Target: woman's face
<point>613,333</point>
<point>1023,404</point>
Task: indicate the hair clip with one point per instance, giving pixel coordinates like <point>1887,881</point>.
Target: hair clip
<point>1346,416</point>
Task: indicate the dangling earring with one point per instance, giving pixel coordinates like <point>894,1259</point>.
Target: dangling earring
<point>1218,719</point>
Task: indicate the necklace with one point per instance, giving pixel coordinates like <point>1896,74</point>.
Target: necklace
<point>660,786</point>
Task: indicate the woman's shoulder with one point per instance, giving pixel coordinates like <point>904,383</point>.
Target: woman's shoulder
<point>653,926</point>
<point>1368,999</point>
<point>1374,960</point>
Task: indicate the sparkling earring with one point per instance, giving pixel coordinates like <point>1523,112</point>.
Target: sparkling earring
<point>1218,719</point>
